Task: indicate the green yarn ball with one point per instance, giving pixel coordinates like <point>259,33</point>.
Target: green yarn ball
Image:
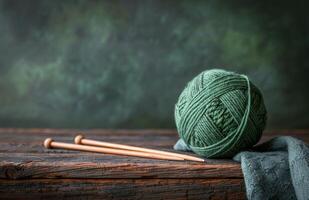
<point>219,113</point>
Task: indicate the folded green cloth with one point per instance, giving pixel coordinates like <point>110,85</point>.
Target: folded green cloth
<point>277,169</point>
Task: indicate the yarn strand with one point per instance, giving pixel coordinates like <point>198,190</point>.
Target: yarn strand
<point>215,115</point>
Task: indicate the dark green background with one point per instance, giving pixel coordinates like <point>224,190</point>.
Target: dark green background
<point>87,64</point>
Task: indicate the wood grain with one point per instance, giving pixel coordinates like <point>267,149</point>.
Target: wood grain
<point>20,166</point>
<point>28,170</point>
<point>123,189</point>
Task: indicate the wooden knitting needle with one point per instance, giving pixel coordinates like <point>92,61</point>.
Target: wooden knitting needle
<point>49,143</point>
<point>81,140</point>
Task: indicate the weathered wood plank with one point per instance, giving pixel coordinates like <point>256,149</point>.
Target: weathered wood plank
<point>123,189</point>
<point>27,141</point>
<point>37,146</point>
<point>21,166</point>
<point>24,140</point>
<point>59,132</point>
<point>27,170</point>
<point>23,156</point>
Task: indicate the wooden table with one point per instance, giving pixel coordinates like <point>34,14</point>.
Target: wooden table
<point>28,171</point>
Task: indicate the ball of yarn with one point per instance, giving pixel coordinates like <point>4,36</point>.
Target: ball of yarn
<point>219,113</point>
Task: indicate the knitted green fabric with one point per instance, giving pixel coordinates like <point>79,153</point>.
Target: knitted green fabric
<point>219,113</point>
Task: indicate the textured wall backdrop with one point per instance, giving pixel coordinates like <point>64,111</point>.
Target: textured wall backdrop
<point>88,64</point>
